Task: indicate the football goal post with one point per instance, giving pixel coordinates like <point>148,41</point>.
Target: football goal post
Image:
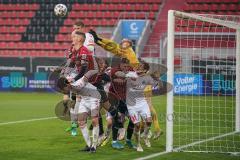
<point>203,61</point>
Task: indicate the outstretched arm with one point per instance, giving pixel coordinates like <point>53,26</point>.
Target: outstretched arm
<point>80,83</point>
<point>115,49</point>
<point>106,44</point>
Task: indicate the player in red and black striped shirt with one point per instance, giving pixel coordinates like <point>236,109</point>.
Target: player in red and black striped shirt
<point>85,61</point>
<point>118,87</point>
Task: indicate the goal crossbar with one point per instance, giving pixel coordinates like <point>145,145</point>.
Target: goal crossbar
<point>229,24</point>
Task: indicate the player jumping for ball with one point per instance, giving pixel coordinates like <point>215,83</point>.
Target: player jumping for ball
<point>87,61</point>
<point>89,105</point>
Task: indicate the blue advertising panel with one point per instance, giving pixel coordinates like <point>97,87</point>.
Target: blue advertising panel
<point>221,85</point>
<point>184,84</point>
<point>188,84</point>
<point>18,81</point>
<point>132,29</point>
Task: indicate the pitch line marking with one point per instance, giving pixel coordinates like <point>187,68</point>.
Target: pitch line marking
<point>152,155</point>
<point>186,146</point>
<point>27,120</point>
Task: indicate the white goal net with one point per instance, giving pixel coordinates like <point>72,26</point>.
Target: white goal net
<point>203,65</point>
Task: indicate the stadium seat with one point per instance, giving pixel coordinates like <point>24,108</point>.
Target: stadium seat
<point>6,14</point>
<point>21,14</point>
<point>112,22</point>
<point>2,22</point>
<point>141,15</point>
<point>101,7</point>
<point>107,14</point>
<point>124,1</point>
<point>190,1</point>
<point>204,7</point>
<point>64,29</point>
<point>3,45</point>
<point>63,37</point>
<point>156,1</point>
<point>94,7</point>
<point>73,14</point>
<point>196,7</point>
<point>11,45</point>
<point>146,7</point>
<point>214,7</point>
<point>2,37</point>
<point>85,7</point>
<point>100,14</point>
<point>3,29</point>
<point>16,29</point>
<point>223,7</point>
<point>95,22</point>
<point>4,53</point>
<point>140,7</point>
<point>127,15</point>
<point>87,21</point>
<point>155,7</point>
<point>68,22</point>
<point>104,22</point>
<point>151,15</point>
<point>81,14</point>
<point>25,22</point>
<point>186,8</point>
<point>121,7</point>
<point>10,37</point>
<point>90,14</point>
<point>115,14</point>
<point>232,7</point>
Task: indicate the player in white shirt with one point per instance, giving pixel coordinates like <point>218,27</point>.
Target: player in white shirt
<point>137,105</point>
<point>88,106</point>
<point>89,41</point>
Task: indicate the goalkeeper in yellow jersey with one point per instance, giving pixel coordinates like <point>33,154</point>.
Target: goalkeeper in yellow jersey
<point>148,95</point>
<point>123,50</point>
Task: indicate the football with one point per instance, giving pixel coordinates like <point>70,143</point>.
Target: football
<point>60,10</point>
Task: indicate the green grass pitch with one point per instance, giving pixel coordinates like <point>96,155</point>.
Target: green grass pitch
<point>47,139</point>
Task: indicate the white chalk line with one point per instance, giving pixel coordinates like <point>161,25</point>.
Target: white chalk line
<point>27,120</point>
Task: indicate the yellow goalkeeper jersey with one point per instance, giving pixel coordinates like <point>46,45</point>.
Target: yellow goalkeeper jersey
<point>115,49</point>
<point>148,91</point>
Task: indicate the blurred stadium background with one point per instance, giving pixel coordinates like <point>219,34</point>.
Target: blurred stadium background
<point>32,40</point>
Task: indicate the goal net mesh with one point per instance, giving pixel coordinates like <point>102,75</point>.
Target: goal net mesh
<point>205,85</point>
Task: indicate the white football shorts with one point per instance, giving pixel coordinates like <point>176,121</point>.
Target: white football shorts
<point>89,105</point>
<point>139,110</point>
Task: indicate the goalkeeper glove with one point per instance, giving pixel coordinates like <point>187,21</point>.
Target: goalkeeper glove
<point>95,36</point>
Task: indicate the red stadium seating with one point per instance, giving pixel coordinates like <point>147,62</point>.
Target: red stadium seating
<point>212,1</point>
<point>19,7</point>
<point>14,19</point>
<point>116,7</point>
<point>221,7</point>
<point>10,37</point>
<point>132,1</point>
<point>214,7</point>
<point>14,22</point>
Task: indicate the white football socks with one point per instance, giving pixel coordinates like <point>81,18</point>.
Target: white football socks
<point>95,134</point>
<point>86,136</point>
